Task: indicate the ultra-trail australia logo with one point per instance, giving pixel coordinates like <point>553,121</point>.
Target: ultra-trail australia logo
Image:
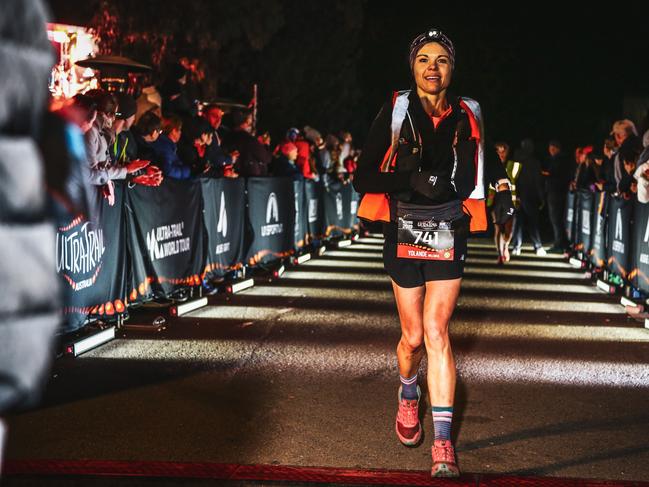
<point>79,251</point>
<point>167,240</point>
<point>222,228</point>
<point>272,215</point>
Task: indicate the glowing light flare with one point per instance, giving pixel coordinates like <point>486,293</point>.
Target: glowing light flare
<point>74,43</point>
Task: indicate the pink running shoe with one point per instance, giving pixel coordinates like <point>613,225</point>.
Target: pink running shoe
<point>444,460</point>
<point>407,424</point>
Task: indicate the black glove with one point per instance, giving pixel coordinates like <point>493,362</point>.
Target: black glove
<point>434,186</point>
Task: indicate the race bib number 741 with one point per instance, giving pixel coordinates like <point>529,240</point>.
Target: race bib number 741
<point>427,240</point>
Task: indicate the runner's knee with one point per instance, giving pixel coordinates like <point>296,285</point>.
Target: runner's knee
<point>412,342</point>
<point>436,336</point>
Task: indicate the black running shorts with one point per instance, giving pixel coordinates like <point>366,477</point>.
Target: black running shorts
<point>414,272</point>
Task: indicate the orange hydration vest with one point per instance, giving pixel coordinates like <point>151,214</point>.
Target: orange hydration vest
<point>375,206</point>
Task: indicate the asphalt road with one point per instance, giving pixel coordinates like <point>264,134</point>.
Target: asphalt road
<point>552,378</point>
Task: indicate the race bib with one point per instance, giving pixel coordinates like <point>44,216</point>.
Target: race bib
<point>425,239</point>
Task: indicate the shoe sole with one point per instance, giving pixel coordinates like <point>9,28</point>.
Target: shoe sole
<point>405,441</point>
<point>444,470</point>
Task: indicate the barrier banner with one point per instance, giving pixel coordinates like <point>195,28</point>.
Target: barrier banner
<point>586,199</point>
<point>314,209</point>
<point>598,229</point>
<point>91,260</point>
<point>166,237</point>
<point>224,206</point>
<point>337,206</point>
<point>301,237</point>
<point>639,276</point>
<point>570,216</point>
<point>618,235</point>
<point>271,213</point>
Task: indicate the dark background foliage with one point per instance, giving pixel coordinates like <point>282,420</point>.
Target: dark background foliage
<point>537,71</point>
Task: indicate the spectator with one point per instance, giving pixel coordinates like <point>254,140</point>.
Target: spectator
<point>124,148</point>
<point>99,137</point>
<point>644,155</point>
<point>285,165</point>
<point>583,173</point>
<point>193,146</point>
<point>305,152</point>
<point>320,155</point>
<point>82,113</point>
<point>601,173</point>
<point>166,151</point>
<point>222,163</point>
<point>331,156</point>
<point>627,140</point>
<point>628,184</point>
<point>530,192</point>
<point>146,131</point>
<point>175,99</point>
<point>149,100</point>
<point>557,171</point>
<point>254,158</point>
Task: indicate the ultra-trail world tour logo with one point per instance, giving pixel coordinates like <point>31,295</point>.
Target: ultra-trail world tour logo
<point>79,251</point>
<point>167,240</point>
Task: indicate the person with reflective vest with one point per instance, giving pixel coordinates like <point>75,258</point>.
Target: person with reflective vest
<point>420,174</point>
<point>503,216</point>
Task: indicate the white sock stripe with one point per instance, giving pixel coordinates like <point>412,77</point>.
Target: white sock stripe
<point>410,380</point>
<point>444,420</point>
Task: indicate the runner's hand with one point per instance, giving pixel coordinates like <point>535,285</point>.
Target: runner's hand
<point>433,186</point>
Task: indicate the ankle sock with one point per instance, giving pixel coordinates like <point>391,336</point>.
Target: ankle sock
<point>409,387</point>
<point>442,418</point>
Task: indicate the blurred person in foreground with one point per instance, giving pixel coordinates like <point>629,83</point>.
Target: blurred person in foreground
<point>29,314</point>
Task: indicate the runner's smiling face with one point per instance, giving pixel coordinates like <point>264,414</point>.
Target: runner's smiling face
<point>432,68</point>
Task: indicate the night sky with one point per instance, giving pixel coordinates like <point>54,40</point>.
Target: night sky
<point>537,72</point>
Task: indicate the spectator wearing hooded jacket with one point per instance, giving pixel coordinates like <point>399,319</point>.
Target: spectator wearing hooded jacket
<point>166,151</point>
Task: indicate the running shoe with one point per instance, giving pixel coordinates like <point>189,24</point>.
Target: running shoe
<point>501,260</point>
<point>444,464</point>
<point>407,425</point>
<point>541,252</point>
<point>516,251</point>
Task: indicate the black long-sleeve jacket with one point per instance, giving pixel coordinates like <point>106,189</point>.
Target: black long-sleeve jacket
<point>436,152</point>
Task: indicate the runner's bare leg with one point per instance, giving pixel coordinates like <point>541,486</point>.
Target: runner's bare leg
<point>439,303</point>
<point>410,350</point>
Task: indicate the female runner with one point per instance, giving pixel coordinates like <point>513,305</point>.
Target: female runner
<point>419,163</point>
